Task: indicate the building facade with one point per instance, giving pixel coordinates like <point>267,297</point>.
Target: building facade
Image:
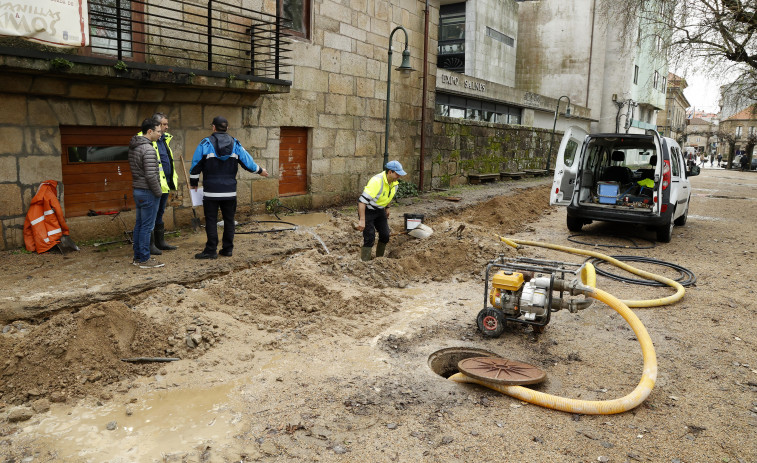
<point>736,96</point>
<point>303,84</point>
<point>742,126</point>
<point>619,73</point>
<point>310,108</point>
<point>672,122</point>
<point>701,136</point>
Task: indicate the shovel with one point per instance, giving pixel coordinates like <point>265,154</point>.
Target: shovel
<point>195,219</point>
<point>67,244</point>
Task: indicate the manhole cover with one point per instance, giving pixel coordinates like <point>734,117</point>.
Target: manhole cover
<point>501,371</point>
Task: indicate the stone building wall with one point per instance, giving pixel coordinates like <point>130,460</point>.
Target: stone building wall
<point>339,89</point>
<point>460,147</point>
<point>33,107</point>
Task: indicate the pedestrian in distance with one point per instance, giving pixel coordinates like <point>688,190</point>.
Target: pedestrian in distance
<point>720,160</point>
<point>145,181</point>
<point>218,158</point>
<point>744,161</point>
<point>373,208</point>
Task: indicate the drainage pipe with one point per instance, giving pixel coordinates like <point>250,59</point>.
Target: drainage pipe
<point>590,407</point>
<point>424,97</point>
<point>638,303</point>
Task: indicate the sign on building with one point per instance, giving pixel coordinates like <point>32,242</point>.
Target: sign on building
<point>60,23</point>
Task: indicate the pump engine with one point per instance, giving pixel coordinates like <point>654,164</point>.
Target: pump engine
<point>521,291</point>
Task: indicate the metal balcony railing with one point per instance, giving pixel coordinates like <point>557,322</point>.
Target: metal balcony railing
<point>212,35</point>
<point>203,37</point>
<point>451,55</point>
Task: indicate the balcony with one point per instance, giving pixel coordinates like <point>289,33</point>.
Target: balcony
<point>451,55</point>
<point>185,43</point>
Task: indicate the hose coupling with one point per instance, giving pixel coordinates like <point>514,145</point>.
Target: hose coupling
<point>572,287</point>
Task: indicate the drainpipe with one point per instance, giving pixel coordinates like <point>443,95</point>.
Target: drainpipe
<point>591,49</point>
<point>423,100</point>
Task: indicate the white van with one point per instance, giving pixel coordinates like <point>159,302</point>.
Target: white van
<point>619,177</point>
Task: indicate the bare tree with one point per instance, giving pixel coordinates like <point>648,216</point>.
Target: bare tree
<point>751,141</point>
<point>729,140</point>
<point>720,34</point>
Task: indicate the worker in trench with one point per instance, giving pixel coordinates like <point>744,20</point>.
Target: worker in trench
<point>373,208</point>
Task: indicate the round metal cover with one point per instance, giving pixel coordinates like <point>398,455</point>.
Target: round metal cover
<point>501,371</point>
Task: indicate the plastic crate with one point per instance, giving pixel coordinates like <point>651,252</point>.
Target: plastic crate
<point>608,192</point>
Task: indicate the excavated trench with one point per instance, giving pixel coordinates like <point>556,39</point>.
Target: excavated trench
<point>295,285</point>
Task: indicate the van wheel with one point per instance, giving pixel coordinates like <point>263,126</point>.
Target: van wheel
<point>575,224</point>
<point>665,233</point>
<point>681,221</point>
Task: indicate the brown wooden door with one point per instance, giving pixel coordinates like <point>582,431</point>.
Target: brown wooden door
<point>96,172</point>
<point>293,161</point>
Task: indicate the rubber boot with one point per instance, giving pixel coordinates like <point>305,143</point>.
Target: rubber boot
<point>154,251</point>
<point>380,248</point>
<point>160,238</point>
<point>365,253</point>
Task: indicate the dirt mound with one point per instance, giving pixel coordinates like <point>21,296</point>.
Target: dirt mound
<point>77,354</point>
<point>508,214</point>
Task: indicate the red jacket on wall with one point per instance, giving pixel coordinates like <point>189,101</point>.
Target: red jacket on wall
<point>44,224</point>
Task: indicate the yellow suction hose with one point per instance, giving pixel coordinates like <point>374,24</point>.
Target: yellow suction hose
<point>644,303</point>
<point>590,407</point>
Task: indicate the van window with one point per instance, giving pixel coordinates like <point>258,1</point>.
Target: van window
<point>674,162</point>
<point>570,152</point>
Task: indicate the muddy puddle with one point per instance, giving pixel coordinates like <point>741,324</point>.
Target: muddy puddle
<point>161,422</point>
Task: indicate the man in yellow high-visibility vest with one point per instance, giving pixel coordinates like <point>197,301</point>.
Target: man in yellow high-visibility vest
<point>373,208</point>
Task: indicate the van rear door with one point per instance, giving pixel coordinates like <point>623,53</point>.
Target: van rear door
<point>566,166</point>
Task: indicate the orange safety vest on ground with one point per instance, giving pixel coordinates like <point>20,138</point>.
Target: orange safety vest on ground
<point>44,224</point>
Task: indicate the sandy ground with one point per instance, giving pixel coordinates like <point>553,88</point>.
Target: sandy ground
<point>294,350</point>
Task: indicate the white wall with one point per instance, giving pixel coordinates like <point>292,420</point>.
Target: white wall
<point>485,57</point>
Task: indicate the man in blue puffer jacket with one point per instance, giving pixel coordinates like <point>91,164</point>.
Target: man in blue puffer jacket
<point>218,157</point>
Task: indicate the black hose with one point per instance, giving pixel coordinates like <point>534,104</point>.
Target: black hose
<point>273,230</point>
<point>686,277</point>
<point>278,209</point>
<point>634,245</point>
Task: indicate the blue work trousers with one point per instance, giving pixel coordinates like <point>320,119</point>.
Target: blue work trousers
<point>147,207</point>
<point>161,209</point>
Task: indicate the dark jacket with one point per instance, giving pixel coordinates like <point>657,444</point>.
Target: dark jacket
<point>218,158</point>
<point>144,165</point>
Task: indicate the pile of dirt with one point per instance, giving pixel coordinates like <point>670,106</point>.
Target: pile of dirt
<point>77,354</point>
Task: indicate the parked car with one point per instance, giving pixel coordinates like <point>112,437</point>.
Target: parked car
<point>627,178</point>
<point>737,162</point>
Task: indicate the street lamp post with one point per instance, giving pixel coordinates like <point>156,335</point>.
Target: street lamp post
<point>554,126</point>
<point>403,68</point>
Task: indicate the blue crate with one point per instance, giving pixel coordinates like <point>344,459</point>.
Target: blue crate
<point>608,192</point>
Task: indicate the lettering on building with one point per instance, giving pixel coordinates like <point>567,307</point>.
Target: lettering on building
<point>478,86</point>
<point>448,79</point>
<point>468,84</point>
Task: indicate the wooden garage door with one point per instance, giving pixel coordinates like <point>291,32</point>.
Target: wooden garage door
<point>293,161</point>
<point>96,173</point>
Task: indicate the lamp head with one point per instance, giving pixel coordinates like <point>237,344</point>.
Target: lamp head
<point>405,67</point>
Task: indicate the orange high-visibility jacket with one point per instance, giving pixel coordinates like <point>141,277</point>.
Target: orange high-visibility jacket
<point>44,224</point>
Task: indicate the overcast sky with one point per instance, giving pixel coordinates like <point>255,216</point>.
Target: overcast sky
<point>703,93</point>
